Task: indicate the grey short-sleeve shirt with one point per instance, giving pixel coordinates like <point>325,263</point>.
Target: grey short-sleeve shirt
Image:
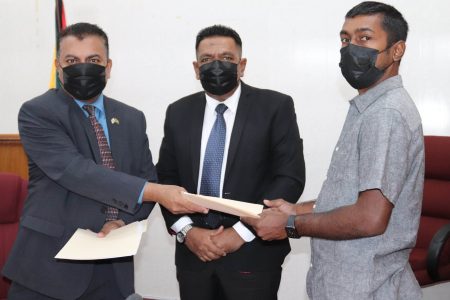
<point>380,147</point>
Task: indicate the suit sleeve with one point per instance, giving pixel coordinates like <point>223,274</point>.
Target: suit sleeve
<point>147,171</point>
<point>287,162</point>
<point>49,146</point>
<point>167,166</point>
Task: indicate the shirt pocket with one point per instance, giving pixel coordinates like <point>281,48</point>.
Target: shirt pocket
<point>344,163</point>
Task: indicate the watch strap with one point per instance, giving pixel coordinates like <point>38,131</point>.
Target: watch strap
<point>291,231</point>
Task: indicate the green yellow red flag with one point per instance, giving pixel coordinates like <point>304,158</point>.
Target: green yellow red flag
<point>60,24</point>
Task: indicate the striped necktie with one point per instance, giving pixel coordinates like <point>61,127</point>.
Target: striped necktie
<point>105,153</point>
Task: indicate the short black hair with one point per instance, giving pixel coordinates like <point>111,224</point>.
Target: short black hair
<point>393,22</point>
<point>82,30</point>
<point>218,30</point>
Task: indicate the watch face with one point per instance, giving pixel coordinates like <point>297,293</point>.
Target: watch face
<point>292,233</point>
<point>180,237</point>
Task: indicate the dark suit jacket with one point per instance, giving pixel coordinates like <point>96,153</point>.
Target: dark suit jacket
<point>265,161</point>
<point>69,189</point>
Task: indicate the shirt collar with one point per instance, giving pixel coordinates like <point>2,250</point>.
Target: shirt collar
<point>362,102</point>
<point>98,104</point>
<point>231,102</point>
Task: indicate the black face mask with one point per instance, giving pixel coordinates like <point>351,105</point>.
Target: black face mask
<point>84,81</point>
<point>219,77</point>
<point>358,66</point>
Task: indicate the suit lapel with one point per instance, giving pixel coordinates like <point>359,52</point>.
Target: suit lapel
<point>80,118</point>
<point>240,120</point>
<point>198,114</point>
<point>115,131</point>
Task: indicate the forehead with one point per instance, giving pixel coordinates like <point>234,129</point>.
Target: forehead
<point>89,45</point>
<point>217,44</point>
<point>364,23</point>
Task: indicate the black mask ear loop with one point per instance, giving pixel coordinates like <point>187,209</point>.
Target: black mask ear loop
<point>387,48</point>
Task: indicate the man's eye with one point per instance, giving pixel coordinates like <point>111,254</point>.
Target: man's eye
<point>71,61</point>
<point>365,38</point>
<point>94,61</point>
<point>228,58</point>
<point>204,60</point>
<point>345,40</point>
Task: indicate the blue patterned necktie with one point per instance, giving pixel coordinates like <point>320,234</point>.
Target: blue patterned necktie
<point>105,154</point>
<point>212,164</point>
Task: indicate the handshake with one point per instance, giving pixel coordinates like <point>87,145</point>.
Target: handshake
<point>207,244</point>
<point>272,221</point>
<point>269,226</point>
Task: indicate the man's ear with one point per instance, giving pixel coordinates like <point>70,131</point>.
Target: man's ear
<point>59,70</point>
<point>196,69</point>
<point>399,50</point>
<point>108,68</point>
<point>241,67</point>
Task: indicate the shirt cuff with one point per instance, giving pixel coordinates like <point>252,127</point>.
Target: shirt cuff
<point>178,225</point>
<point>244,232</point>
<point>141,194</point>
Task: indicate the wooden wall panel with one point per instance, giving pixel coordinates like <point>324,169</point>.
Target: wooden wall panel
<point>12,156</point>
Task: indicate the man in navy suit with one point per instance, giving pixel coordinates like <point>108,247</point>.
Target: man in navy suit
<point>90,167</point>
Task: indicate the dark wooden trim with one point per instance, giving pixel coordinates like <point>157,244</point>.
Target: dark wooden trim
<point>9,137</point>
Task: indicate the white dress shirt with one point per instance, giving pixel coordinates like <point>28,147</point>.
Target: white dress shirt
<point>208,123</point>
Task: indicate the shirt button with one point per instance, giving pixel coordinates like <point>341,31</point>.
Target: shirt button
<point>310,265</point>
<point>337,149</point>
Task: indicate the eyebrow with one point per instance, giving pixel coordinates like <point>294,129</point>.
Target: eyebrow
<point>227,53</point>
<point>363,29</point>
<point>93,56</point>
<point>89,57</point>
<point>220,54</point>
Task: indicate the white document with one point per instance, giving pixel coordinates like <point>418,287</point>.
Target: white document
<point>233,207</point>
<point>85,245</point>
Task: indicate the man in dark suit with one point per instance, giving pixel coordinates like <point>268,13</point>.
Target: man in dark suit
<point>90,167</point>
<point>235,141</point>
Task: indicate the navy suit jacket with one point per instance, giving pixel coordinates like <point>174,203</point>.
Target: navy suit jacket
<point>265,161</point>
<point>70,189</point>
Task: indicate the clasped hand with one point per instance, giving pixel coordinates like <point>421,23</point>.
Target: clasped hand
<point>212,244</point>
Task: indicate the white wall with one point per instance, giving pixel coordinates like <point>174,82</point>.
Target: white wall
<point>292,46</point>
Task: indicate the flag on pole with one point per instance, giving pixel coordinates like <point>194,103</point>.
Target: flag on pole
<point>60,24</point>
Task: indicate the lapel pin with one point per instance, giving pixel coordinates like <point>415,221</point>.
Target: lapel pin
<point>115,121</point>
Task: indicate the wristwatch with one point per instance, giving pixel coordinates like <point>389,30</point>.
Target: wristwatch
<point>181,235</point>
<point>291,231</point>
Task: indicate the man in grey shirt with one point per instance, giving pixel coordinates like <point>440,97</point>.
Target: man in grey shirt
<point>365,219</point>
